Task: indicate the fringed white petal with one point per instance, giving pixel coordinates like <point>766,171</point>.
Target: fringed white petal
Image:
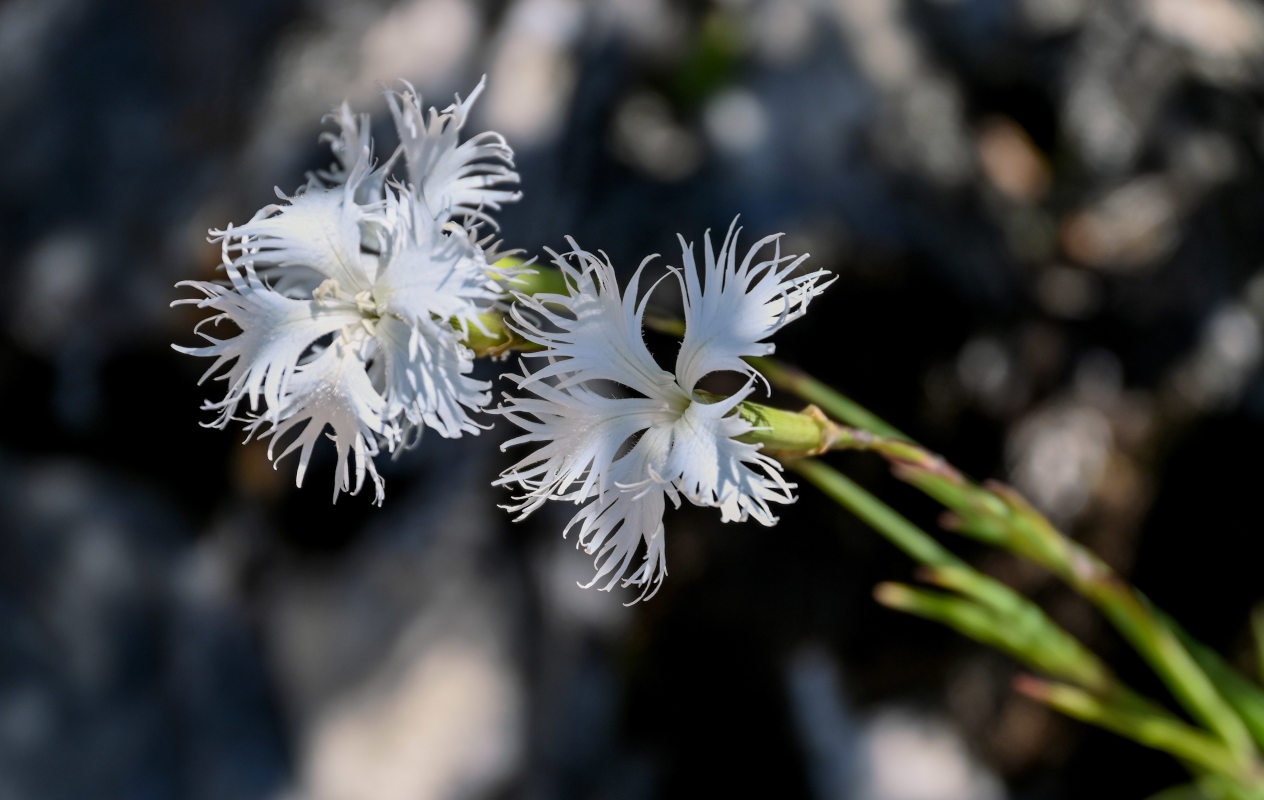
<point>433,273</point>
<point>467,178</point>
<point>593,333</point>
<point>334,391</point>
<point>623,459</point>
<point>730,309</point>
<point>711,468</point>
<point>627,518</point>
<point>425,376</point>
<point>351,297</point>
<point>318,229</point>
<point>352,147</point>
<point>580,434</point>
<point>274,333</point>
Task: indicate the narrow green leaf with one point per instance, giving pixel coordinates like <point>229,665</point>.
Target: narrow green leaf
<point>964,616</point>
<point>1158,731</point>
<point>877,514</point>
<point>1246,697</point>
<point>1029,630</point>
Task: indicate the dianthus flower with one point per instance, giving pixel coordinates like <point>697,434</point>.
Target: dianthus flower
<point>351,297</point>
<point>623,457</point>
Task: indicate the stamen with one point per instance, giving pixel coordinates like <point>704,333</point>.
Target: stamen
<point>327,292</point>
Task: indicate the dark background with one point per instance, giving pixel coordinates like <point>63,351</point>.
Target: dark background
<point>1045,218</point>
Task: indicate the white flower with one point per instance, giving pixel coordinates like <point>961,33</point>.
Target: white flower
<point>350,298</point>
<point>622,458</point>
<point>463,176</point>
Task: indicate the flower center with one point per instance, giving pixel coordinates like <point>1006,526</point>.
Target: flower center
<point>331,294</point>
<point>678,400</point>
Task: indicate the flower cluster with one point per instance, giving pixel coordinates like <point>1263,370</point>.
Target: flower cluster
<point>351,297</point>
<point>351,300</point>
<point>623,457</point>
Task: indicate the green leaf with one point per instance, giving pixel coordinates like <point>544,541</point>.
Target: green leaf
<point>1029,633</point>
<point>877,514</point>
<point>1159,731</point>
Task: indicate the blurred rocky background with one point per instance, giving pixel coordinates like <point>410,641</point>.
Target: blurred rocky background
<point>1046,219</point>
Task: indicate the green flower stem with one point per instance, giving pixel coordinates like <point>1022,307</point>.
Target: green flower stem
<point>987,610</point>
<point>1023,632</point>
<point>1215,787</point>
<point>1197,677</point>
<point>837,405</point>
<point>799,383</point>
<point>535,279</point>
<point>1132,615</point>
<point>999,516</point>
<point>1208,787</point>
<point>877,514</point>
<point>965,616</point>
<point>785,434</point>
<point>492,337</point>
<point>1157,731</point>
<point>1029,634</point>
<point>495,338</point>
<point>791,434</point>
<point>1245,697</point>
<point>990,611</point>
